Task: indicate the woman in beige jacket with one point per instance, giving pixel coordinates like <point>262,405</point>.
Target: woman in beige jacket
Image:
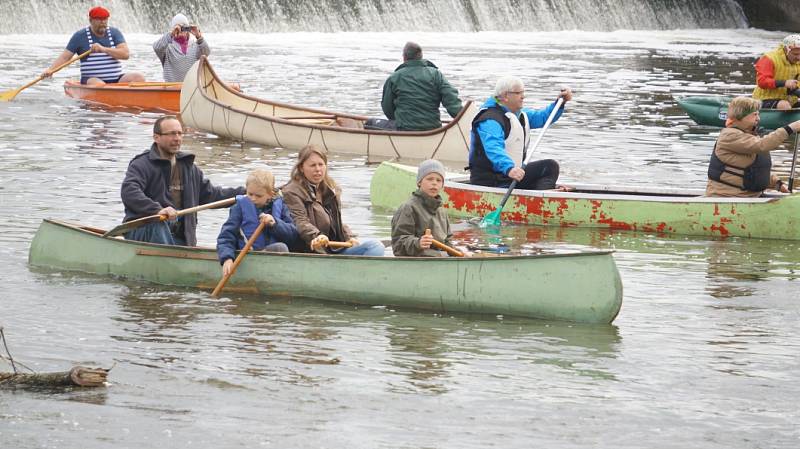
<point>315,202</point>
<point>740,163</point>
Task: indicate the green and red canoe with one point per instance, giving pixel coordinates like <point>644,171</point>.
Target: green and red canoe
<point>662,211</point>
<point>713,111</point>
<point>576,286</point>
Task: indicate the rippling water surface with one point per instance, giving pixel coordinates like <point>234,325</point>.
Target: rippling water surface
<point>703,353</point>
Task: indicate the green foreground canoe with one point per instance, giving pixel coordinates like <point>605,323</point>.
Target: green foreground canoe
<point>581,287</point>
<point>713,111</point>
<point>656,210</point>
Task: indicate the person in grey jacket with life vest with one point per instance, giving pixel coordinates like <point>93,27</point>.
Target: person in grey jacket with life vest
<point>740,164</point>
<point>500,137</point>
<point>261,204</point>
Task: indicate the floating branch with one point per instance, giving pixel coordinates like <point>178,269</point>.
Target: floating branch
<point>79,376</point>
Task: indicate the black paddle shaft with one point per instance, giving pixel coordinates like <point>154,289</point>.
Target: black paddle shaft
<point>511,189</point>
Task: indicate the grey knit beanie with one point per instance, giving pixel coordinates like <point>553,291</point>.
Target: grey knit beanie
<point>429,166</point>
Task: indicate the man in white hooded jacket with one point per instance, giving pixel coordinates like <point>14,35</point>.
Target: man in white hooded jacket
<point>177,51</point>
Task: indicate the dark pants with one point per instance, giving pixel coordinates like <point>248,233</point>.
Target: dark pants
<point>772,104</point>
<point>380,124</point>
<point>539,175</point>
<point>158,232</point>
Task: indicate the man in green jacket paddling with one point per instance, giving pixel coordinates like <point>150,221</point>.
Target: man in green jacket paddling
<point>412,94</point>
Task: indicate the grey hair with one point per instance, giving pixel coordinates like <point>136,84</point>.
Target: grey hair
<point>507,84</point>
<point>412,51</point>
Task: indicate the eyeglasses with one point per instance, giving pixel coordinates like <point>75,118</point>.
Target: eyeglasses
<point>171,133</point>
<point>517,92</point>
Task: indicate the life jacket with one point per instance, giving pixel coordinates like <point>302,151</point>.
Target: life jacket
<point>755,177</point>
<point>100,65</point>
<point>784,70</point>
<point>250,220</point>
<point>516,130</point>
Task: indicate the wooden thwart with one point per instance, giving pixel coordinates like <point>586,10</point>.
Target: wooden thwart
<point>309,117</point>
<point>154,84</point>
<point>176,254</point>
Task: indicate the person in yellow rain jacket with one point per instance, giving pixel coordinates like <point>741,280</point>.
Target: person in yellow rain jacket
<point>777,74</point>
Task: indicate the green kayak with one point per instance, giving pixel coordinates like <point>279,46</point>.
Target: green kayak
<point>713,111</point>
<point>576,286</point>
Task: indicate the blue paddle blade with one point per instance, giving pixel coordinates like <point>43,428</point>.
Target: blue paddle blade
<point>491,219</point>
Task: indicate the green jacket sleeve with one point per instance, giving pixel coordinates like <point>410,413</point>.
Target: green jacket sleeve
<point>404,240</point>
<point>387,103</point>
<point>450,98</point>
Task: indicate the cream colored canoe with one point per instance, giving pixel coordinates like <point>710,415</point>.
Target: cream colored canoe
<point>208,104</point>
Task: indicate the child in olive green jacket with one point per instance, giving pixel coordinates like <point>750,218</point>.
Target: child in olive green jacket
<point>422,211</point>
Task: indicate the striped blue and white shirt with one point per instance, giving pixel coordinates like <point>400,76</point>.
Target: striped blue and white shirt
<point>97,65</point>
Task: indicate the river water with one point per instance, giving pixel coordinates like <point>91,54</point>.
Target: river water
<point>702,355</point>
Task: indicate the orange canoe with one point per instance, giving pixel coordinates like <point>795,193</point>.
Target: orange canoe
<point>145,96</point>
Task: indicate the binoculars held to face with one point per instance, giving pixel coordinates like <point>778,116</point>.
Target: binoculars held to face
<point>185,28</point>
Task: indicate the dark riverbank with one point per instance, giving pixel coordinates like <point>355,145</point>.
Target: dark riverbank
<point>777,15</point>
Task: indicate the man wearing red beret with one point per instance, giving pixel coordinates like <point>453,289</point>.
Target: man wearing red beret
<point>108,47</point>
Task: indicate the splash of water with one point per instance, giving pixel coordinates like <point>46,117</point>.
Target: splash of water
<point>262,16</point>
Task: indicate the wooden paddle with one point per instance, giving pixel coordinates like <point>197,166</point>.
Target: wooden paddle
<point>238,260</point>
<point>10,94</point>
<point>337,245</point>
<point>441,246</point>
<point>133,224</point>
<point>794,162</point>
<point>493,218</point>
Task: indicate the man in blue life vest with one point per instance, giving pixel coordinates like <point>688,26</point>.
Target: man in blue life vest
<point>108,47</point>
<point>500,136</point>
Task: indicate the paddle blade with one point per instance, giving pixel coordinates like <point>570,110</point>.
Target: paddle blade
<point>9,94</point>
<point>491,219</point>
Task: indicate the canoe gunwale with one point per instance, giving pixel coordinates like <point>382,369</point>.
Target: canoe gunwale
<point>72,85</point>
<point>597,194</point>
<point>596,191</point>
<point>175,251</point>
<point>203,87</point>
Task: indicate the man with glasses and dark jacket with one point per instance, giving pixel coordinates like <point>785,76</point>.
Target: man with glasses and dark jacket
<point>163,180</point>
